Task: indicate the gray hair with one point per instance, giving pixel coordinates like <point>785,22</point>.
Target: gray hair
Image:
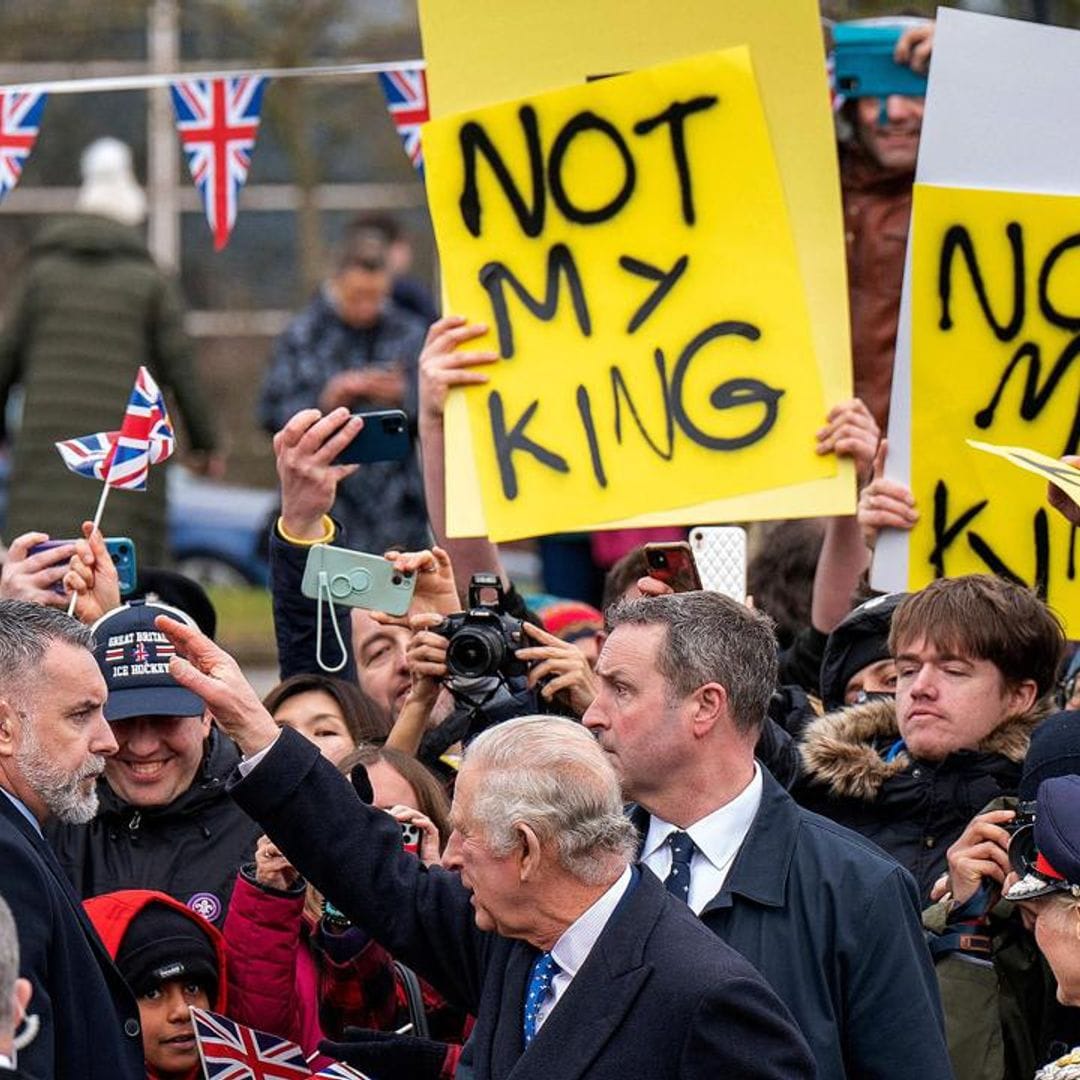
<point>550,774</point>
<point>710,639</point>
<point>9,963</point>
<point>26,632</point>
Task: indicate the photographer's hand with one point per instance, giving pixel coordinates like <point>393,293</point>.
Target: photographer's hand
<point>429,836</point>
<point>305,449</point>
<point>426,657</point>
<point>563,665</point>
<point>435,589</point>
<point>32,577</point>
<point>982,851</point>
<point>915,47</point>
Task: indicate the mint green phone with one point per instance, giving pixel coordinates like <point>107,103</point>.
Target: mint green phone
<point>357,579</point>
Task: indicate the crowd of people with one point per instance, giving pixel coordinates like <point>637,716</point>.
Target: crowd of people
<point>820,833</point>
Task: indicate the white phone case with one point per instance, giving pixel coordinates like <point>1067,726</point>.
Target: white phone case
<point>720,554</point>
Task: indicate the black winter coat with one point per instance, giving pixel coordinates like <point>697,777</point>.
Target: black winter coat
<point>191,849</point>
<point>912,809</point>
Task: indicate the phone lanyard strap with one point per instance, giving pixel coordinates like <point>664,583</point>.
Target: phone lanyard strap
<point>324,585</point>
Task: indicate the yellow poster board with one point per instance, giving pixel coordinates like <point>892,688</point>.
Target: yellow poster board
<point>995,347</point>
<point>484,51</point>
<point>628,242</point>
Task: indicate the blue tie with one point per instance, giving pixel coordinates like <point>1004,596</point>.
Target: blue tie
<point>678,880</point>
<point>543,971</point>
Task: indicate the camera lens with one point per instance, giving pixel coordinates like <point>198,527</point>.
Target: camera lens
<point>661,559</point>
<point>474,652</point>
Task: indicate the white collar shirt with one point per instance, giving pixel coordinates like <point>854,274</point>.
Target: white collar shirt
<point>577,941</point>
<point>717,838</point>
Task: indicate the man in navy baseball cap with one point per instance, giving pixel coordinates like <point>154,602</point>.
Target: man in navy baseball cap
<point>165,821</point>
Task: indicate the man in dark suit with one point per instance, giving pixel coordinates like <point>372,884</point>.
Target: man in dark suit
<point>53,742</point>
<point>574,964</point>
<point>828,918</point>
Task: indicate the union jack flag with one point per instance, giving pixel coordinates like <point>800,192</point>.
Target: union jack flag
<point>218,120</point>
<point>337,1071</point>
<point>406,97</point>
<point>87,455</point>
<point>230,1051</point>
<point>20,120</point>
<point>123,458</point>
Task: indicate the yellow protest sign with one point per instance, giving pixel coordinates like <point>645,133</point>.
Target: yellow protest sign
<point>484,51</point>
<point>995,337</point>
<point>628,242</point>
<point>1058,473</point>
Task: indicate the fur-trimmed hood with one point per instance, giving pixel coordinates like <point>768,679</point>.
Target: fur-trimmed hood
<point>843,750</point>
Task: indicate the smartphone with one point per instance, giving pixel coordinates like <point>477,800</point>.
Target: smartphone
<point>356,579</point>
<point>121,550</point>
<point>673,564</point>
<point>384,437</point>
<point>863,57</point>
<point>410,837</point>
<point>720,554</point>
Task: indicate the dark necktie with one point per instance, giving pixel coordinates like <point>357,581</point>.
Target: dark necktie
<point>543,971</point>
<point>678,880</point>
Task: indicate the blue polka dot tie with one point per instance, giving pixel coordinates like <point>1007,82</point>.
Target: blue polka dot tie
<point>543,971</point>
<point>678,880</point>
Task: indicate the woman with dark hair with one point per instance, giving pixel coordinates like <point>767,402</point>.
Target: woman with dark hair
<point>335,715</point>
<point>297,966</point>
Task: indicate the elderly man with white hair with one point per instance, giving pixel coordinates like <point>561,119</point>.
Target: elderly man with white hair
<point>575,963</point>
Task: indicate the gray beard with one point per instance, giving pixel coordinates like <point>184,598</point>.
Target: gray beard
<point>61,792</point>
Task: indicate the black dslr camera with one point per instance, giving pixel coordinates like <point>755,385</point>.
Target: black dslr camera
<point>483,639</point>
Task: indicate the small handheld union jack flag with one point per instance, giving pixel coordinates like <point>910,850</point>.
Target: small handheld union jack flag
<point>122,459</point>
<point>218,120</point>
<point>20,121</point>
<point>406,97</point>
<point>230,1051</point>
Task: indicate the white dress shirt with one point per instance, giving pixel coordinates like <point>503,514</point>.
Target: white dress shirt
<point>577,941</point>
<point>717,838</point>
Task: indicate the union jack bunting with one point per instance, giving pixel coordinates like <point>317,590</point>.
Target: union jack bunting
<point>406,97</point>
<point>123,458</point>
<point>230,1051</point>
<point>218,120</point>
<point>20,121</point>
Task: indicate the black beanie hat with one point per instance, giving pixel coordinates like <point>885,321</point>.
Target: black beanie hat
<point>860,640</point>
<point>163,943</point>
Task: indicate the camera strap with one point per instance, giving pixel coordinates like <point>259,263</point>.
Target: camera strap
<point>327,601</point>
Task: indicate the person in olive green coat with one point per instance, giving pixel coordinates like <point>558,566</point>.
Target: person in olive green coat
<point>91,307</point>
